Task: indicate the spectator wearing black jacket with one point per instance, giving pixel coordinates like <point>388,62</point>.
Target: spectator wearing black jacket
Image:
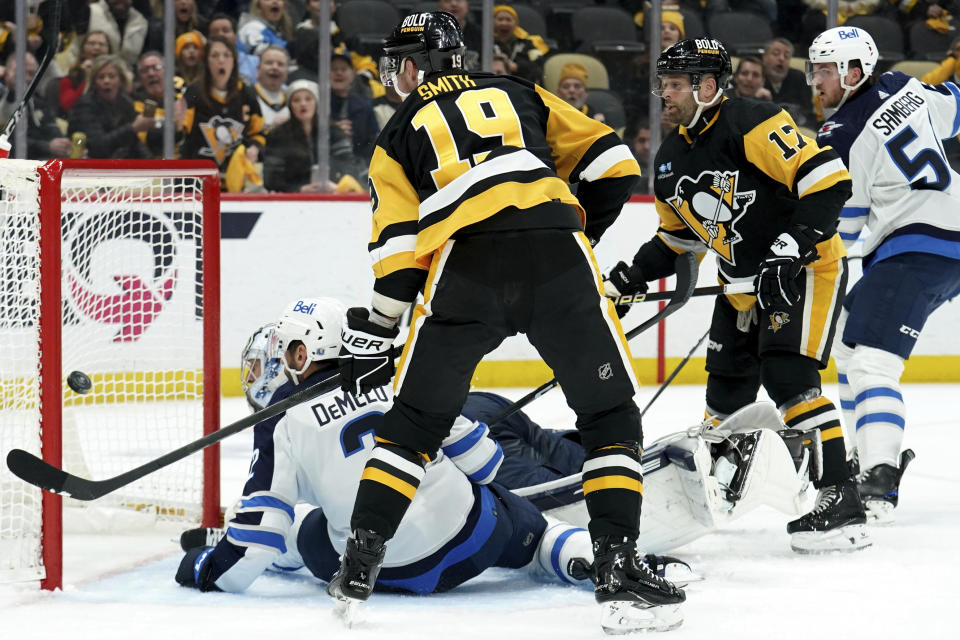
<point>44,140</point>
<point>106,115</point>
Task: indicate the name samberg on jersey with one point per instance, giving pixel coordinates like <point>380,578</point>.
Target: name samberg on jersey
<point>891,132</point>
<point>462,148</point>
<point>739,182</point>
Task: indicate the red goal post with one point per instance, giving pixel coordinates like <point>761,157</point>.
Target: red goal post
<point>110,267</point>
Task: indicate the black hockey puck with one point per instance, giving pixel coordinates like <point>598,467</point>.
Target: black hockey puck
<point>79,382</point>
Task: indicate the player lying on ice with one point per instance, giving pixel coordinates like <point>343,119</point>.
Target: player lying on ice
<point>467,519</point>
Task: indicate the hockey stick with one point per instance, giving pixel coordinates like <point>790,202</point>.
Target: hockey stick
<point>741,287</point>
<point>40,473</point>
<point>674,373</point>
<point>52,48</point>
<point>687,268</point>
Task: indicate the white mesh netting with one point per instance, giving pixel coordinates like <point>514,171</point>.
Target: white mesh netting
<point>132,308</point>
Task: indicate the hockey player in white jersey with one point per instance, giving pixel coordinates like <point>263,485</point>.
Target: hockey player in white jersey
<point>888,131</point>
<point>698,480</point>
<point>461,523</point>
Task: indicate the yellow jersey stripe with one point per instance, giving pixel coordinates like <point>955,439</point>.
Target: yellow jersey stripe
<point>831,433</point>
<point>567,136</point>
<point>491,201</point>
<point>612,482</point>
<point>803,407</point>
<point>396,262</point>
<point>395,199</point>
<point>384,478</point>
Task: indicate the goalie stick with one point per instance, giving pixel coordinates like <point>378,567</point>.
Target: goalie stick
<point>52,48</point>
<point>40,473</point>
<point>686,267</point>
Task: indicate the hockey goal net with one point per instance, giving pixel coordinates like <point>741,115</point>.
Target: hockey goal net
<point>110,268</point>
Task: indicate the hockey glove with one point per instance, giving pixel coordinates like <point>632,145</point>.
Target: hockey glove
<point>366,355</point>
<point>624,280</point>
<point>194,570</point>
<point>779,275</point>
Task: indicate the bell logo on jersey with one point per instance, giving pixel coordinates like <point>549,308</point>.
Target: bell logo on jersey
<point>711,207</point>
<point>778,320</point>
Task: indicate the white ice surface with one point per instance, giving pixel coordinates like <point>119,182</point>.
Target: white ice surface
<point>905,586</point>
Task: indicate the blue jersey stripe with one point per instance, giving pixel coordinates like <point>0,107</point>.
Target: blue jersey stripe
<point>555,554</point>
<point>891,418</point>
<point>879,392</point>
<point>849,236</point>
<point>427,581</point>
<point>268,502</point>
<point>487,469</point>
<point>842,378</point>
<point>848,405</point>
<point>956,96</point>
<point>257,536</point>
<point>913,243</point>
<point>465,443</point>
<point>854,212</point>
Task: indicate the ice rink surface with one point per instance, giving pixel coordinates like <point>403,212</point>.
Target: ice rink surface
<point>905,586</point>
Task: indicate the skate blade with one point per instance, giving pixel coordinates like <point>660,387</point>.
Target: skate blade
<point>852,537</point>
<point>620,618</point>
<point>880,513</point>
<point>680,574</point>
<point>347,611</point>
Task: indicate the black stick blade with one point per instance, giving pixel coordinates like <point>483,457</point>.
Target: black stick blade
<point>35,471</point>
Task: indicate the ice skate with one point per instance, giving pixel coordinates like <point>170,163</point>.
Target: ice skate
<point>880,489</point>
<point>632,597</point>
<point>671,568</point>
<point>353,582</point>
<point>836,523</point>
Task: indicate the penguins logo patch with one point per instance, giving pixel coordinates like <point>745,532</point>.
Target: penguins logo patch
<point>711,207</point>
<point>778,320</point>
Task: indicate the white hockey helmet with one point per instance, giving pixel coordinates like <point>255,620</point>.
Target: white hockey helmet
<point>843,45</point>
<point>314,321</point>
<point>260,368</point>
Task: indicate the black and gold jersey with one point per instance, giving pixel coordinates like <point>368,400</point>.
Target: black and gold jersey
<point>465,147</point>
<point>734,185</point>
<point>216,133</point>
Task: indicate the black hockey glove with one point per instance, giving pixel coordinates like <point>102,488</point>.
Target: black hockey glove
<point>779,277</point>
<point>366,355</point>
<point>194,570</point>
<point>624,280</point>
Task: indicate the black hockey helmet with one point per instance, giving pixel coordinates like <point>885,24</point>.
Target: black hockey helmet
<point>433,41</point>
<point>696,57</point>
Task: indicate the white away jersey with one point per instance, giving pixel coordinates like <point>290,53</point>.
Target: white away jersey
<point>316,453</point>
<point>903,189</point>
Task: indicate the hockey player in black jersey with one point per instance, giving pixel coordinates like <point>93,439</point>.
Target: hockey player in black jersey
<point>471,204</point>
<point>737,178</point>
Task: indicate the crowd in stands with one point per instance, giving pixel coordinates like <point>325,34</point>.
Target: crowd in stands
<point>246,76</point>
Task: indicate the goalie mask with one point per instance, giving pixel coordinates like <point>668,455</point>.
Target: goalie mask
<point>696,58</point>
<point>432,40</point>
<point>842,46</point>
<point>316,322</point>
<point>260,370</point>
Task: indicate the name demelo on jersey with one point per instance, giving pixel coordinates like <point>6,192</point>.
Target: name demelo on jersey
<point>710,206</point>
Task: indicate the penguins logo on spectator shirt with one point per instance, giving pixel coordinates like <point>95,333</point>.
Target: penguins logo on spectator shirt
<point>711,206</point>
<point>222,136</point>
